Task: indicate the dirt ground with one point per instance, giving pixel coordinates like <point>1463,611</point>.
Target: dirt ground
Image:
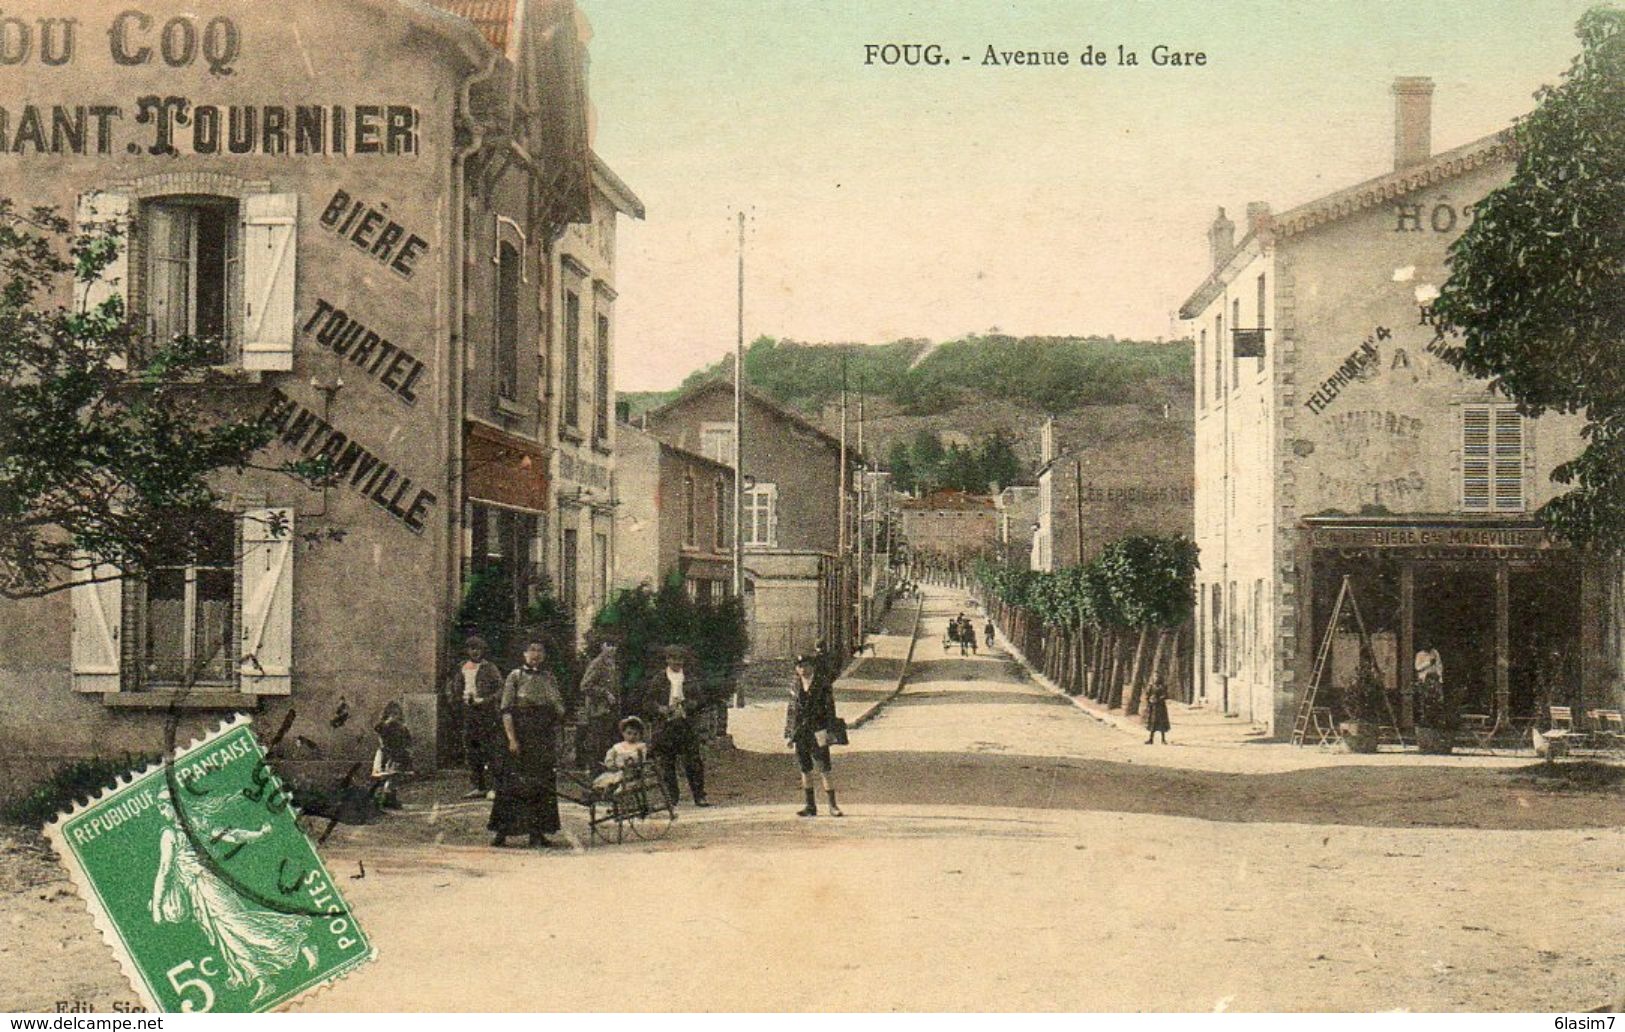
<point>1002,850</point>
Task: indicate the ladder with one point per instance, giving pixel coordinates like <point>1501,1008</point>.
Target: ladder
<point>1306,708</point>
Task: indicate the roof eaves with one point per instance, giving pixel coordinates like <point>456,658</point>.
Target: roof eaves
<point>626,202</point>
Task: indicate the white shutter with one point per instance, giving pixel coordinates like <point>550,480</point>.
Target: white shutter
<point>266,664</point>
<point>113,211</point>
<point>270,232</point>
<point>772,515</point>
<point>97,612</point>
<point>1475,458</point>
<point>1508,459</point>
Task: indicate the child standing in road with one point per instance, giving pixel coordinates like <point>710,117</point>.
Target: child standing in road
<point>393,760</point>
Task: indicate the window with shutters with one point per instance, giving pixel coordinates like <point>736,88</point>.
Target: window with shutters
<point>219,269</point>
<point>762,516</point>
<point>215,612</point>
<point>690,512</point>
<point>507,328</point>
<point>602,395</point>
<point>1492,459</point>
<point>720,497</point>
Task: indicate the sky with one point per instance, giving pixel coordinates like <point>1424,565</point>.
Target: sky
<point>936,200</point>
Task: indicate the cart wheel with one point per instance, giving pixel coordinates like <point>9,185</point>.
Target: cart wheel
<point>652,819</point>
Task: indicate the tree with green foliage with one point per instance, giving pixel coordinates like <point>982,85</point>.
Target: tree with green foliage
<point>900,461</point>
<point>1535,300</point>
<point>108,442</point>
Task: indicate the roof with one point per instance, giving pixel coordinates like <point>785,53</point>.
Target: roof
<point>949,499</point>
<point>711,386</point>
<point>1351,201</point>
<point>494,18</point>
<point>626,202</point>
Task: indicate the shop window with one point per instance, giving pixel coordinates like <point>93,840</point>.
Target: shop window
<point>1492,447</point>
<point>601,391</point>
<point>198,255</point>
<point>571,385</point>
<point>215,611</point>
<point>507,328</point>
<point>500,553</point>
<point>762,516</point>
<point>567,570</point>
<point>600,569</point>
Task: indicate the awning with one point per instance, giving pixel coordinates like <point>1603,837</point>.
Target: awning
<point>504,469</point>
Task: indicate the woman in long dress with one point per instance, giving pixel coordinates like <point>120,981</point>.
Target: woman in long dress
<point>527,802</point>
<point>254,943</point>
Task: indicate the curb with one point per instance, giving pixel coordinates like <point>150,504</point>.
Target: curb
<point>1121,723</point>
<point>902,676</point>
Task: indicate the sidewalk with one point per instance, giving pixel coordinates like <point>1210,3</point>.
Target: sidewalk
<point>866,684</point>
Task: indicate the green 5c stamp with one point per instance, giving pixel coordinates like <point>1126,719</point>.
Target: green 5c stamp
<point>202,882</point>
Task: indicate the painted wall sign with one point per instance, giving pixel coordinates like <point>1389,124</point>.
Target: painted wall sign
<point>133,38</point>
<point>372,232</point>
<point>352,464</point>
<point>582,472</point>
<point>1359,365</point>
<point>1430,537</point>
<point>1137,495</point>
<point>397,369</point>
<point>171,124</point>
<point>1440,218</point>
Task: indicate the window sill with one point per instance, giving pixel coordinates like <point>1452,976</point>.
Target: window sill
<point>571,434</point>
<point>179,698</point>
<point>601,446</point>
<point>513,409</point>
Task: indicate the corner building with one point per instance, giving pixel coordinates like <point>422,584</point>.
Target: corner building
<point>1332,440</point>
<point>360,198</point>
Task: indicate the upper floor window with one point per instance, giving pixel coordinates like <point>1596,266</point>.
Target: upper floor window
<point>717,442</point>
<point>1201,365</point>
<point>719,514</point>
<point>212,268</point>
<point>602,396</point>
<point>690,511</point>
<point>507,328</point>
<point>571,387</point>
<point>762,516</point>
<point>1492,447</point>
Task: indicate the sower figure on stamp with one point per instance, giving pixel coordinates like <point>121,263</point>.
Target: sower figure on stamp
<point>674,703</point>
<point>472,691</point>
<point>527,793</point>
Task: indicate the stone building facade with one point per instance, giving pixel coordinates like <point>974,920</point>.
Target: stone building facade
<point>799,588</point>
<point>675,517</point>
<point>360,198</point>
<point>949,524</point>
<point>1332,441</point>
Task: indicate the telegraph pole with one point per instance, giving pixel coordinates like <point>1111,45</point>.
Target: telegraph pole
<point>840,541</point>
<point>739,449</point>
<point>862,476</point>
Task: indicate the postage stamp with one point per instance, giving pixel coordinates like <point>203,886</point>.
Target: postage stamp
<point>209,893</point>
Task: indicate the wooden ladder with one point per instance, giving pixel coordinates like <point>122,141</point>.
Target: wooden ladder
<point>1306,708</point>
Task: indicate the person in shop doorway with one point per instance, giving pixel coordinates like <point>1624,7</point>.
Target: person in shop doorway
<point>472,693</point>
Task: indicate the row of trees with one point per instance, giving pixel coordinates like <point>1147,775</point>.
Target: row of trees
<point>1106,629</point>
<point>925,465</point>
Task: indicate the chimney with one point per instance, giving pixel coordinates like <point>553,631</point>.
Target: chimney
<point>1413,120</point>
<point>1221,239</point>
<point>1258,217</point>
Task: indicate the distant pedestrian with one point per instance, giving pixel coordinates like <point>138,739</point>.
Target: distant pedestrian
<point>532,712</point>
<point>808,724</point>
<point>471,694</point>
<point>600,706</point>
<point>961,624</point>
<point>968,632</point>
<point>1156,713</point>
<point>988,634</point>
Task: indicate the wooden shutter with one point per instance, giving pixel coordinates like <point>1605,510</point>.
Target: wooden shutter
<point>111,210</point>
<point>1475,458</point>
<point>266,664</point>
<point>98,595</point>
<point>270,230</point>
<point>1508,460</point>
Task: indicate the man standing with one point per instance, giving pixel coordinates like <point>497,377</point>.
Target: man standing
<point>673,703</point>
<point>473,691</point>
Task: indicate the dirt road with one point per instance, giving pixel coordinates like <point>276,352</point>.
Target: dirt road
<point>1002,850</point>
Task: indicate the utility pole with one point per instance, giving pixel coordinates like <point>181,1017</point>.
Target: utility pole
<point>739,448</point>
<point>1077,498</point>
<point>840,543</point>
<point>862,476</point>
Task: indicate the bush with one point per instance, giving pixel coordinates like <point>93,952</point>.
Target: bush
<point>74,782</point>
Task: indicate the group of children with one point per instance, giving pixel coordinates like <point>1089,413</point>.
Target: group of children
<point>393,760</point>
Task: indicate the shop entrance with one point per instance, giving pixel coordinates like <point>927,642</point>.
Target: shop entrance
<point>1453,611</point>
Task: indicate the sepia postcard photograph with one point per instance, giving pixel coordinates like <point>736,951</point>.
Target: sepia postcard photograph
<point>811,506</point>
